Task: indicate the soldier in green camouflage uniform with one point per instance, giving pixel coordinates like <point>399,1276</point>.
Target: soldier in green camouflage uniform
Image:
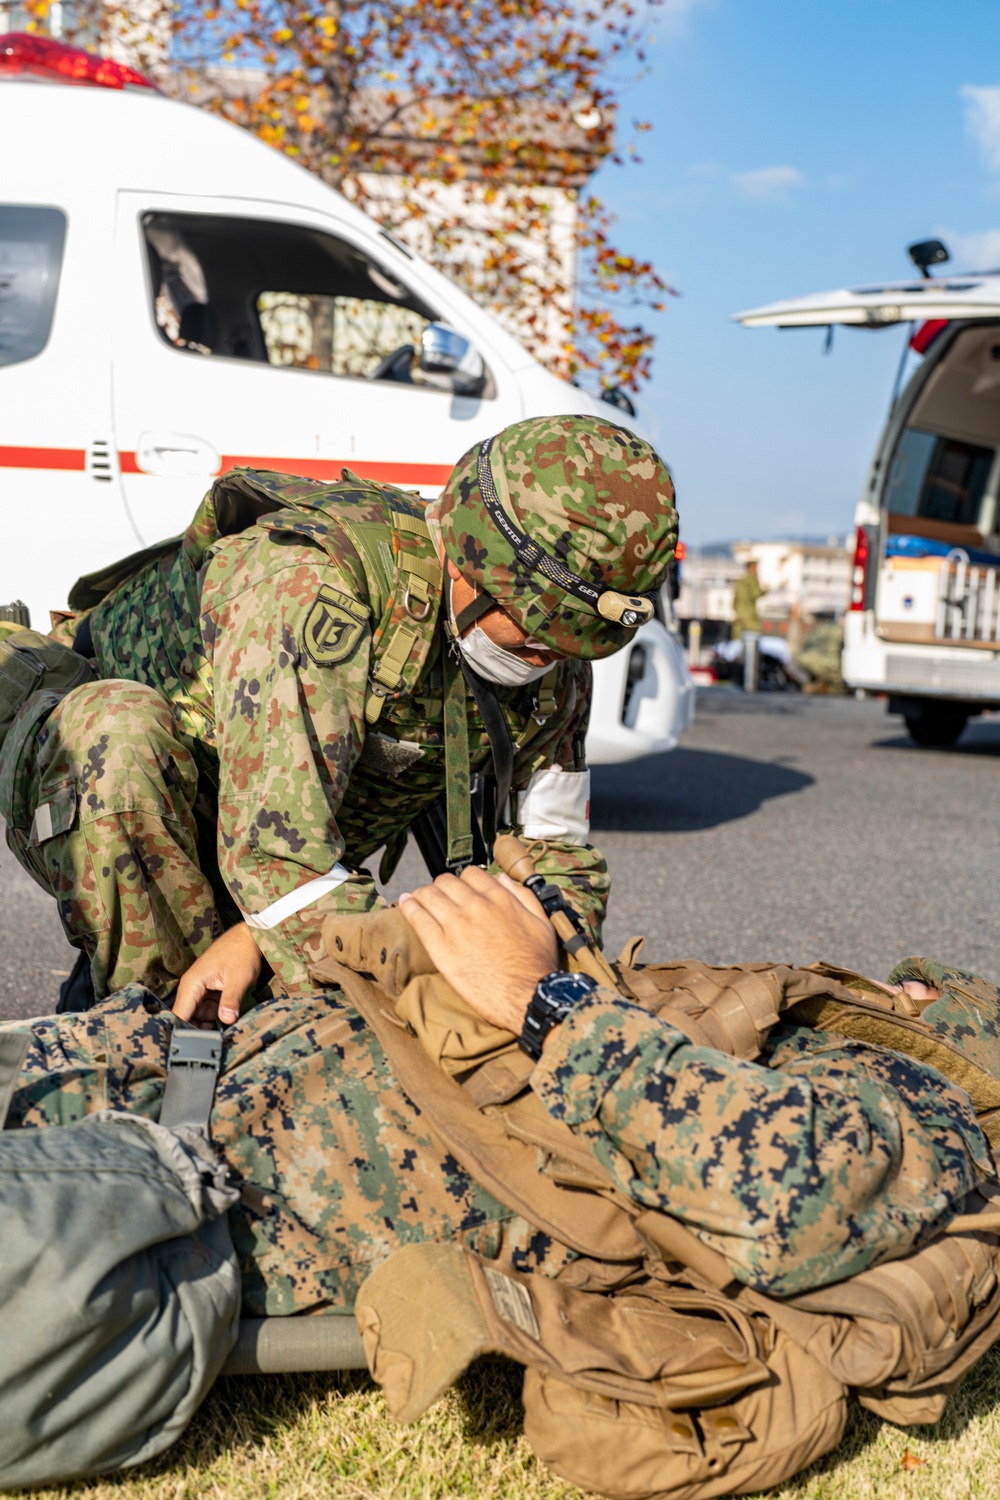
<point>281,699</point>
<point>821,1158</point>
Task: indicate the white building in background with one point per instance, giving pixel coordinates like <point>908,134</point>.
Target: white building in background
<point>707,579</point>
<point>806,578</point>
<point>803,581</point>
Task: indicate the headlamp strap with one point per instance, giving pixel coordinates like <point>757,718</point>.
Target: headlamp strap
<point>629,610</point>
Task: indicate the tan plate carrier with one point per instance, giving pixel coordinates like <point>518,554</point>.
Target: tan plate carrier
<point>649,1370</point>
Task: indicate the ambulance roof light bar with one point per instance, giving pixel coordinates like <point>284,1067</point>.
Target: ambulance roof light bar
<point>42,57</point>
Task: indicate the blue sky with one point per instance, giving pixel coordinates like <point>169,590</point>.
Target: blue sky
<point>797,146</point>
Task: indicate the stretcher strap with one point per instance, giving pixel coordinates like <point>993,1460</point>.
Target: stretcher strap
<point>192,1073</point>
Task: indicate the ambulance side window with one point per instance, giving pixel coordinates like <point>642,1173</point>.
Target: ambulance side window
<point>340,335</point>
<point>939,478</point>
<point>31,252</point>
<point>279,294</point>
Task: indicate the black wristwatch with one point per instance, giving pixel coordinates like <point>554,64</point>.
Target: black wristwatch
<point>554,998</point>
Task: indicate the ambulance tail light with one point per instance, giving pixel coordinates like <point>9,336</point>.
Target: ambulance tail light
<point>925,335</point>
<point>859,572</point>
<point>41,57</point>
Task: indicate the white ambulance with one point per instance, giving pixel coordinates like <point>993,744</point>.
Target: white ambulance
<point>177,299</point>
<point>923,625</point>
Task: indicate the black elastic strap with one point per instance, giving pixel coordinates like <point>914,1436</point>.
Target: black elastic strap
<point>192,1073</point>
<point>430,834</point>
<point>83,643</point>
<point>501,746</point>
<point>76,993</point>
<point>480,605</point>
<point>496,789</point>
<point>13,1050</point>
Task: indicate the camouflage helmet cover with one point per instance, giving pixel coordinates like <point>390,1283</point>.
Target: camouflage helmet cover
<point>594,498</point>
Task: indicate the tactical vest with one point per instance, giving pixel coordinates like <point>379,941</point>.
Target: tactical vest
<point>676,1380</point>
<point>144,619</point>
<point>386,527</point>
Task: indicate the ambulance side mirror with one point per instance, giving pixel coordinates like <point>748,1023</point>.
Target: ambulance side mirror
<point>451,360</point>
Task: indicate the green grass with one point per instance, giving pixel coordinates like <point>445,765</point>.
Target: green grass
<point>302,1438</point>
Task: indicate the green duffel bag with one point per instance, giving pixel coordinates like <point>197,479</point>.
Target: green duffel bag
<point>119,1283</point>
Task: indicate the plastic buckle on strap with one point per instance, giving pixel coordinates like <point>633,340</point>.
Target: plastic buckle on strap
<point>192,1048</point>
<point>194,1060</point>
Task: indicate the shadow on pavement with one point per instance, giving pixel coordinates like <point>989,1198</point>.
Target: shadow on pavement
<point>978,740</point>
<point>686,789</point>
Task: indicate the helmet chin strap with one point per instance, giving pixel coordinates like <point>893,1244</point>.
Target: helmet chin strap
<point>480,604</point>
<point>497,789</point>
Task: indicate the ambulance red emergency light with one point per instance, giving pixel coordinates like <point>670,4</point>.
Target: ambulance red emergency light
<point>177,299</point>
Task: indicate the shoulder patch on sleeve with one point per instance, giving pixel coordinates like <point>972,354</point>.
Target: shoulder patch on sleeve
<point>334,627</point>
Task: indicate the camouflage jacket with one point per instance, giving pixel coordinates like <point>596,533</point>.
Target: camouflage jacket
<point>822,1158</point>
<point>264,643</point>
<point>336,1166</point>
<point>746,592</point>
<point>803,1168</point>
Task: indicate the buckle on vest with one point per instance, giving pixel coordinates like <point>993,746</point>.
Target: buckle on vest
<point>408,606</point>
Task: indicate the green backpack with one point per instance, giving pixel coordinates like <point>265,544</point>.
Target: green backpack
<point>119,1283</point>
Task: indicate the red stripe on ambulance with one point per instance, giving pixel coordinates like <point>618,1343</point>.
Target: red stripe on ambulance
<point>43,458</point>
<point>321,468</point>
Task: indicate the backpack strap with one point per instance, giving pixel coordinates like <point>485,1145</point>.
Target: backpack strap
<point>401,640</point>
<point>13,1050</point>
<point>193,1065</point>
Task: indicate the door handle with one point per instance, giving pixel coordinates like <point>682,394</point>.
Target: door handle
<point>176,455</point>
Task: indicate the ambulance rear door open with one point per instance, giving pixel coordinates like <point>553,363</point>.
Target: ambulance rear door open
<point>269,335</point>
<point>927,561</point>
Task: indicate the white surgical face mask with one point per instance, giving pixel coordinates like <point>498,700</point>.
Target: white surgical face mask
<point>492,662</point>
<point>495,664</point>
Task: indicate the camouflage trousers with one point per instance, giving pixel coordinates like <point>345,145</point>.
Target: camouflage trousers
<point>337,1166</point>
<point>103,809</point>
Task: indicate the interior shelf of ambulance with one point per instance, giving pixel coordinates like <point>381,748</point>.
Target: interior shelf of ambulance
<point>939,577</point>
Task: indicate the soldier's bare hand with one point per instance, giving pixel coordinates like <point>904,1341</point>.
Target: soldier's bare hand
<point>216,984</point>
<point>490,939</point>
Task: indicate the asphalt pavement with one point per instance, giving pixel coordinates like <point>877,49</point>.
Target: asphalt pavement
<point>785,827</point>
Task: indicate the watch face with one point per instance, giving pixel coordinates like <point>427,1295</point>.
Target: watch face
<point>565,989</point>
<point>554,998</point>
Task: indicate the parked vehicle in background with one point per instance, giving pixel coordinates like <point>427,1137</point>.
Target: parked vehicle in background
<point>776,671</point>
<point>923,625</point>
<point>178,299</point>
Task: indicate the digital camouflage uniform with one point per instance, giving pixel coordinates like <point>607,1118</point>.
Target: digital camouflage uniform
<point>337,1167</point>
<point>275,700</point>
<point>801,1168</point>
<point>822,1158</point>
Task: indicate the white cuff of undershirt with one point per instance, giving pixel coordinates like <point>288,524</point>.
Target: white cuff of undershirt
<point>303,895</point>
